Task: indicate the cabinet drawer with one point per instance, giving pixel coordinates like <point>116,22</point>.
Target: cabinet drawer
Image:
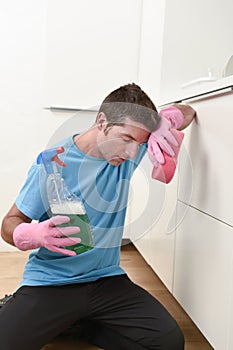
<point>206,164</point>
<point>204,273</point>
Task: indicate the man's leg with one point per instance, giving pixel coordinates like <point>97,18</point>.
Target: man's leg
<point>110,340</point>
<point>36,315</point>
<point>125,316</point>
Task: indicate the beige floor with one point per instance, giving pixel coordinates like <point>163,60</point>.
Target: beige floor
<point>11,267</point>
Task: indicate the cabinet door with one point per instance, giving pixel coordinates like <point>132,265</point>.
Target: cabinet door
<point>194,41</point>
<point>92,48</point>
<point>144,206</point>
<point>157,223</point>
<point>203,273</point>
<point>206,165</point>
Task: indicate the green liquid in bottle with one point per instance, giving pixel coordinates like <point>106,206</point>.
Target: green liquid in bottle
<point>86,235</point>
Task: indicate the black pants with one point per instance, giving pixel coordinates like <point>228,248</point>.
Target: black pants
<point>116,313</point>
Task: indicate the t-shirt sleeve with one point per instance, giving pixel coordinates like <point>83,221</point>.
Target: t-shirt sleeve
<point>32,199</point>
<point>141,152</point>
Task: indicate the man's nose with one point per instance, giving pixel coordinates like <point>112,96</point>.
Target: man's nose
<point>132,150</point>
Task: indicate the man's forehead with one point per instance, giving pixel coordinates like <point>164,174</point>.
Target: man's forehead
<point>135,131</point>
<point>130,124</point>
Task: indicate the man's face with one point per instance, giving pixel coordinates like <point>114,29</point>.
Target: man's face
<point>119,143</point>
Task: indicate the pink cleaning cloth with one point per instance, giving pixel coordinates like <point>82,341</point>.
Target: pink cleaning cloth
<point>165,172</point>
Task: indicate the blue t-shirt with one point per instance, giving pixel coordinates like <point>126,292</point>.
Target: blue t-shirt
<point>103,189</point>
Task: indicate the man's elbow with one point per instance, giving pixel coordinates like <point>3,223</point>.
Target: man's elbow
<point>189,114</point>
<point>8,238</point>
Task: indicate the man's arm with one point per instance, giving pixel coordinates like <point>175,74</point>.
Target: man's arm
<point>164,143</point>
<point>189,114</point>
<point>173,117</point>
<point>18,230</point>
<point>12,219</point>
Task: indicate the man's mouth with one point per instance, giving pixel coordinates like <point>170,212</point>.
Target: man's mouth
<point>117,160</point>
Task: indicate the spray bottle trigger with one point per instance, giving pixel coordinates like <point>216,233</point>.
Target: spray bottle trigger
<point>56,158</point>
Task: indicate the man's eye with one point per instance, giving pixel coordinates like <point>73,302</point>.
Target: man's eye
<point>127,140</point>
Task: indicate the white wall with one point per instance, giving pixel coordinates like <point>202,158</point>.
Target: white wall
<point>92,48</point>
<point>25,126</point>
<point>150,60</point>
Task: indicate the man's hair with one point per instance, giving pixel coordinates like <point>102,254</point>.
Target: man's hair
<point>130,101</point>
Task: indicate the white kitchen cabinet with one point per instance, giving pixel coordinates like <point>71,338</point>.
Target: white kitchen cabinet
<point>141,204</point>
<point>196,260</point>
<point>203,270</point>
<point>203,274</point>
<point>162,235</point>
<point>208,148</point>
<point>196,43</point>
<point>156,222</point>
<point>92,48</point>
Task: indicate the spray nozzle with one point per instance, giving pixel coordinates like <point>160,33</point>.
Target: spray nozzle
<point>48,156</point>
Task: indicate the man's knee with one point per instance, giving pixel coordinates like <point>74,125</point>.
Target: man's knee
<point>173,340</point>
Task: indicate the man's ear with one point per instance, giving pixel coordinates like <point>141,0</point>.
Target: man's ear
<point>101,120</point>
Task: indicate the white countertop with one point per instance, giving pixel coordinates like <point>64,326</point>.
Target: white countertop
<point>197,90</point>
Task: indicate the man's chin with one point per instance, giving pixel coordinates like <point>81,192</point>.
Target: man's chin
<point>116,161</point>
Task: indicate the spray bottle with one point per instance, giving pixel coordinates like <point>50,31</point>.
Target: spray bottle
<point>63,202</point>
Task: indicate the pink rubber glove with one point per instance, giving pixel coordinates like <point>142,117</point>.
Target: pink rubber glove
<point>46,234</point>
<point>165,172</point>
<point>162,139</point>
<point>174,115</point>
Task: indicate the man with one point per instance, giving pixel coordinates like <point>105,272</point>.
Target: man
<point>59,288</point>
